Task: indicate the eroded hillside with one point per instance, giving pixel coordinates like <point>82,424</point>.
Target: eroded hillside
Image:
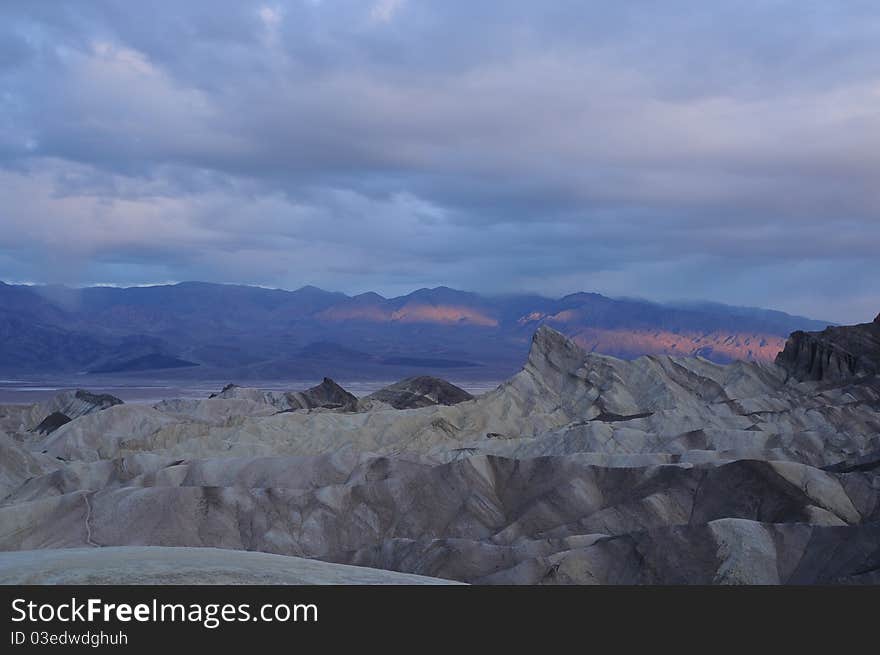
<point>581,468</point>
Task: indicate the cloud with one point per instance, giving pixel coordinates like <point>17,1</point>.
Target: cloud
<point>383,11</point>
<point>728,152</point>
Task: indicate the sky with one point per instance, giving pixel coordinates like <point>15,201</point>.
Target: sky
<point>727,151</point>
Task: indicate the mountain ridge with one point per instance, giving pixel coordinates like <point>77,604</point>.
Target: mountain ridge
<point>255,332</point>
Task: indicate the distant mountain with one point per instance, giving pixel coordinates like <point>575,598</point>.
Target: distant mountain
<point>440,306</point>
<point>152,362</point>
<point>196,329</point>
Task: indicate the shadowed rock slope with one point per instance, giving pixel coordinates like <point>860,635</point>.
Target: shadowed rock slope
<point>836,353</point>
<point>412,393</point>
<point>580,469</point>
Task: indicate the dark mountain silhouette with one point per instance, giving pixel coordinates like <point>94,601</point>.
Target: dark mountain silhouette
<point>196,329</point>
<point>836,353</point>
<point>420,391</point>
<point>153,362</point>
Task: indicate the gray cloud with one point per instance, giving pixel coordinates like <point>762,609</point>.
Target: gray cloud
<point>724,150</point>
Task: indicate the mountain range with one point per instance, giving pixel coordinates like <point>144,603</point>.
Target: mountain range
<point>204,330</point>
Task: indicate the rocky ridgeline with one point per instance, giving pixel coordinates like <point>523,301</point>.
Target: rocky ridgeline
<point>327,395</point>
<point>836,353</point>
<point>579,469</point>
<point>415,392</point>
<point>46,417</point>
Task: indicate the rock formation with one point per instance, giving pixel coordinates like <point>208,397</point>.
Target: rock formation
<point>580,469</point>
<point>52,422</point>
<point>327,395</point>
<point>421,391</point>
<point>836,353</point>
<point>48,416</point>
<point>74,404</point>
<point>18,465</point>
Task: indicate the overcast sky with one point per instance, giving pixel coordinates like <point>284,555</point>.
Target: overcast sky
<point>669,150</point>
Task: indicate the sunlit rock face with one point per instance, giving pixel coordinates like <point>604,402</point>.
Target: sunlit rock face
<point>441,306</point>
<point>579,469</point>
<point>718,346</point>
